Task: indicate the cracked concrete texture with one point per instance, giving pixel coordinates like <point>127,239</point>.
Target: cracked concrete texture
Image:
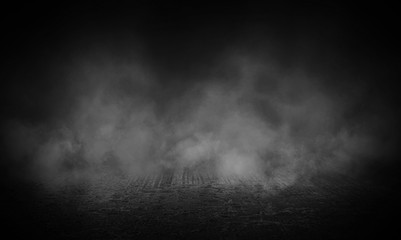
<point>200,205</point>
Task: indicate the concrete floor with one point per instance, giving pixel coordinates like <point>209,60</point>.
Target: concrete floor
<point>198,205</point>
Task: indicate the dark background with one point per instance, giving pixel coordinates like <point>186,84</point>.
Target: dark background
<point>329,39</point>
<point>360,40</point>
<point>178,40</point>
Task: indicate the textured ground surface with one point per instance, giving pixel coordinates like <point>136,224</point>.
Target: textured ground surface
<point>189,204</point>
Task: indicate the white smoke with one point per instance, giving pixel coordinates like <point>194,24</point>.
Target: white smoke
<point>274,125</point>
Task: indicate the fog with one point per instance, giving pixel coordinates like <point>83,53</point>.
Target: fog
<point>244,116</point>
<point>270,91</point>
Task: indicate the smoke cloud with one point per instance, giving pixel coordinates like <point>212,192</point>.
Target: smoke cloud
<point>244,116</point>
